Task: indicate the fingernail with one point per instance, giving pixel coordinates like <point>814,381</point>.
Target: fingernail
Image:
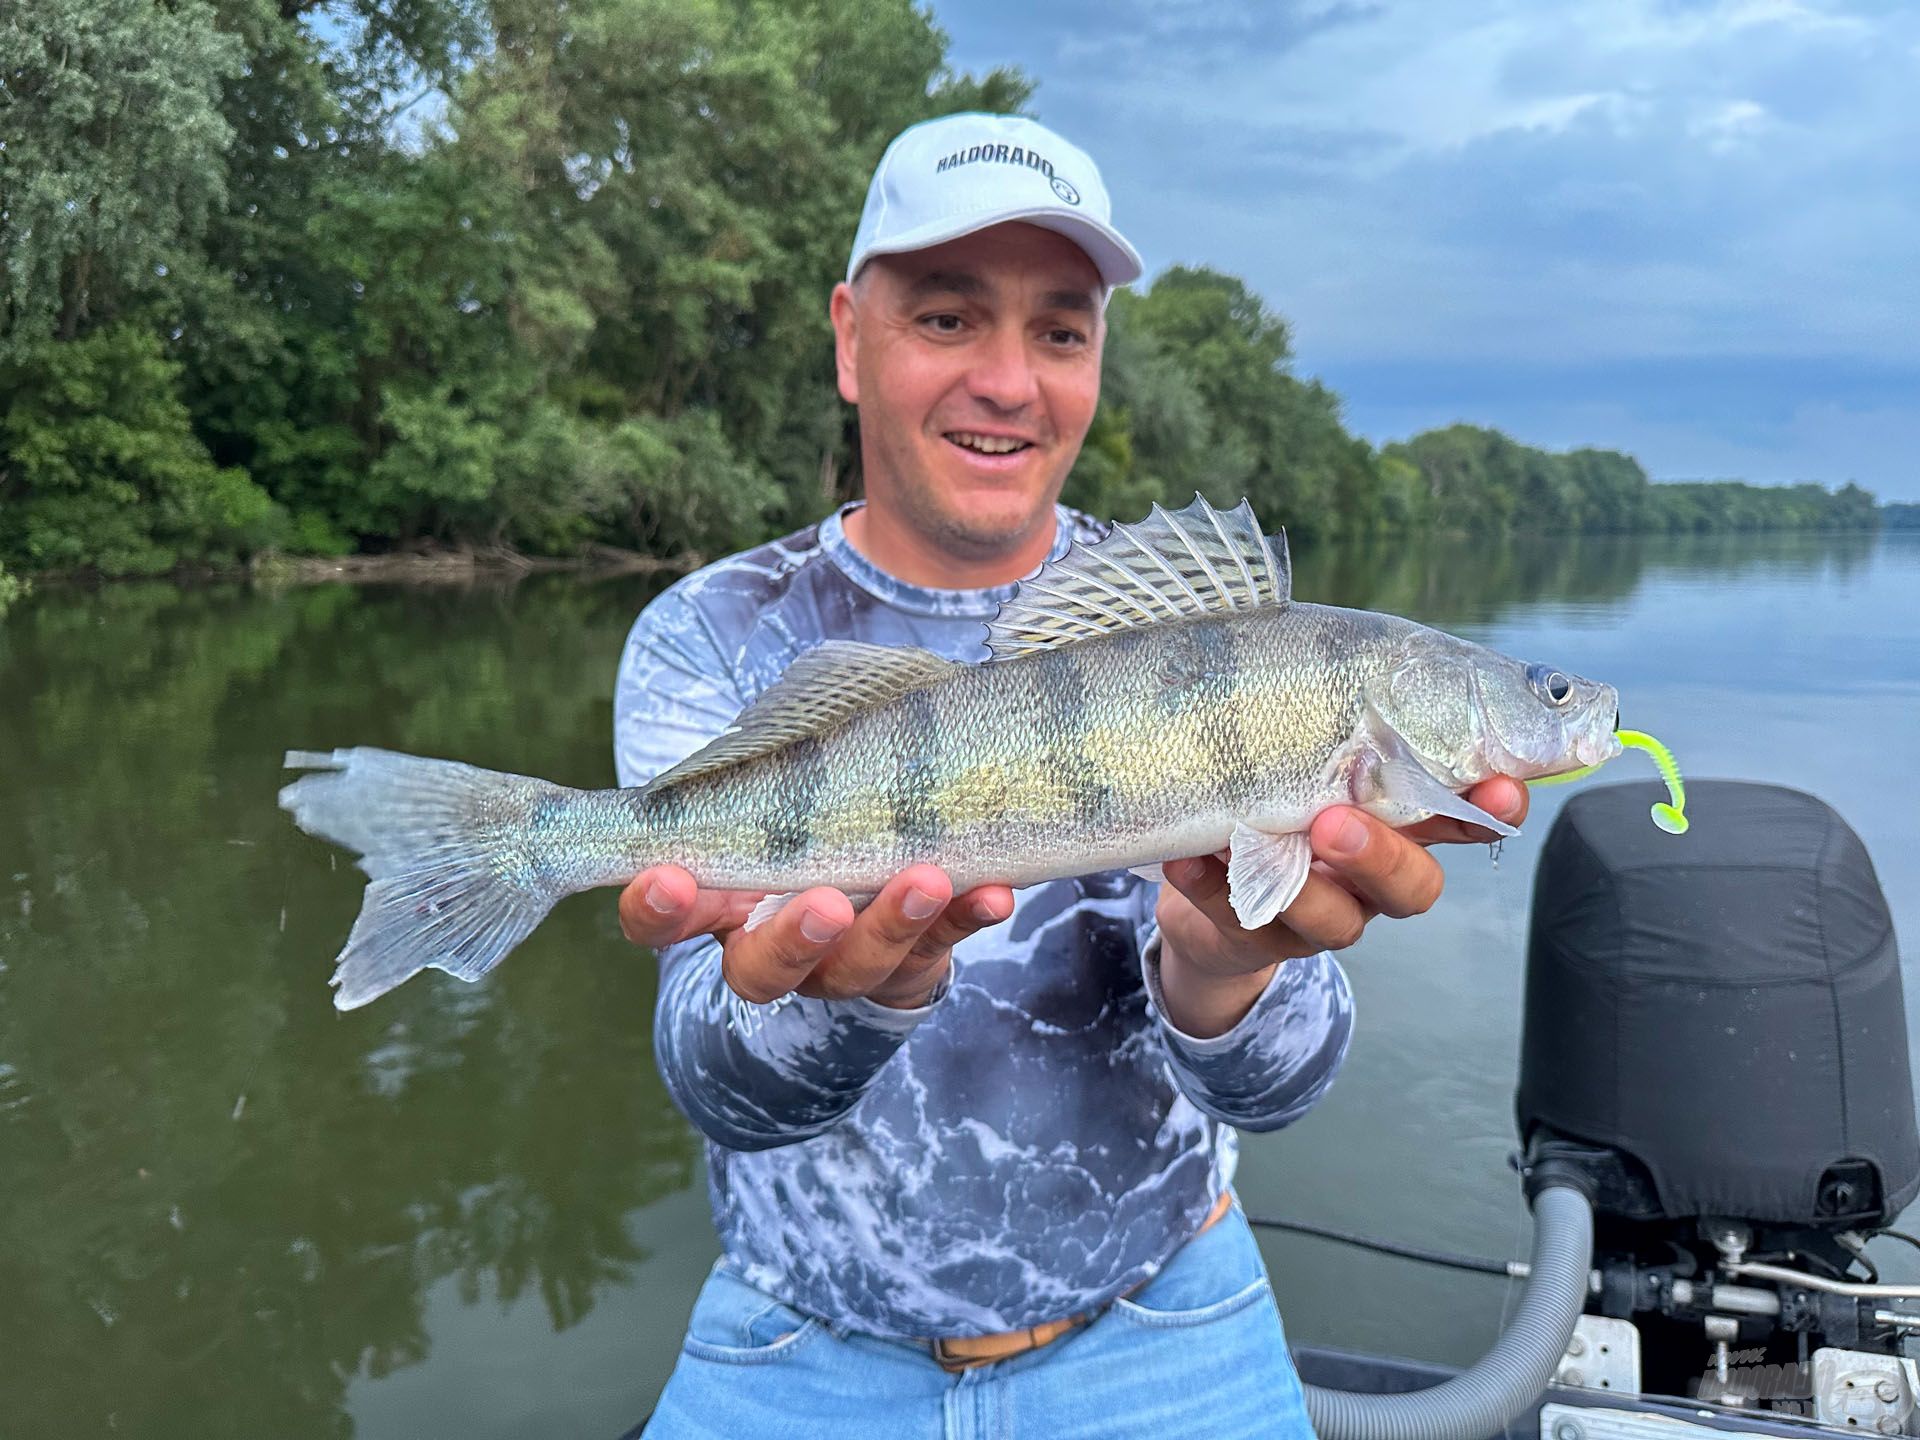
<point>919,905</point>
<point>1351,838</point>
<point>659,900</point>
<point>1182,872</point>
<point>985,913</point>
<point>819,929</point>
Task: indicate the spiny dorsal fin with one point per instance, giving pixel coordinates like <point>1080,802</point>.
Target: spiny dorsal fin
<point>1197,561</point>
<point>822,687</point>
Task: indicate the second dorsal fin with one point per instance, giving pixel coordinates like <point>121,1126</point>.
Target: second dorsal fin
<point>1170,566</point>
<point>819,689</point>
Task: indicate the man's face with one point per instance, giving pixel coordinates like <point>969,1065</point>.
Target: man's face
<point>976,367</point>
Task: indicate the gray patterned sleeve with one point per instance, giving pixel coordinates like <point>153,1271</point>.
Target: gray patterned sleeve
<point>750,1077</point>
<point>1272,1067</point>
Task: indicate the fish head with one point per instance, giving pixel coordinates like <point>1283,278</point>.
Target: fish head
<point>1469,713</point>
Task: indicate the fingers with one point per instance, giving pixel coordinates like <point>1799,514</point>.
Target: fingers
<point>895,951</point>
<point>1323,916</point>
<point>1382,866</point>
<point>664,905</point>
<point>900,946</point>
<point>975,910</point>
<point>765,963</point>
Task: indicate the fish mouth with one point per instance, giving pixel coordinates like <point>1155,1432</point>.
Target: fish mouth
<point>1596,749</point>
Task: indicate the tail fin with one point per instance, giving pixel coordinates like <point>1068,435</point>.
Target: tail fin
<point>454,883</point>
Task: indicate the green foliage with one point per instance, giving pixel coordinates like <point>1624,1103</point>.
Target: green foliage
<point>1479,480</point>
<point>102,469</point>
<point>503,273</point>
<point>112,158</point>
<point>1732,505</point>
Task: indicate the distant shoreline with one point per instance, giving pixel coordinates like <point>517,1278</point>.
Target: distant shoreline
<point>448,566</point>
<point>457,565</point>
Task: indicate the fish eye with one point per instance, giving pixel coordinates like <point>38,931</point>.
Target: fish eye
<point>1557,688</point>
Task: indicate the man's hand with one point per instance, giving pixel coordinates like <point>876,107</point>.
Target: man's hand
<point>895,952</point>
<point>1211,970</point>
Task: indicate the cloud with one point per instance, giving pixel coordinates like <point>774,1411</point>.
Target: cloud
<point>1553,188</point>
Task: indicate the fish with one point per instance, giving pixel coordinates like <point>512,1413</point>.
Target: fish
<point>1154,695</point>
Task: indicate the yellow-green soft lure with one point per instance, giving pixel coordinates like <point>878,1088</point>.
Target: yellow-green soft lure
<point>1670,814</point>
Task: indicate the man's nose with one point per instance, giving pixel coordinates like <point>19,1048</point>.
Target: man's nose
<point>1002,373</point>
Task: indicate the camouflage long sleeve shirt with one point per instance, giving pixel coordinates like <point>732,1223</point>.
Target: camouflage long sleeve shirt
<point>1033,1142</point>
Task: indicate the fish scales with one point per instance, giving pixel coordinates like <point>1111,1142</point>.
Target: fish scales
<point>1099,753</point>
<point>1157,694</point>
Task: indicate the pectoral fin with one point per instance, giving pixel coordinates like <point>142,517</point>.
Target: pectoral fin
<point>1388,780</point>
<point>1265,873</point>
<point>1406,793</point>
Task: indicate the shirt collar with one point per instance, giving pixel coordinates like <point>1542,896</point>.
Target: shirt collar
<point>981,604</point>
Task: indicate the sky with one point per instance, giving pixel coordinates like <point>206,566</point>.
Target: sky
<point>1687,229</point>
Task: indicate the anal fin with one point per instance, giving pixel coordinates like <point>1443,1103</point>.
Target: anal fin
<point>772,905</point>
<point>769,906</point>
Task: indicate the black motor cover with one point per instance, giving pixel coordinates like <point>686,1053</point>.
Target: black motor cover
<point>1723,1006</point>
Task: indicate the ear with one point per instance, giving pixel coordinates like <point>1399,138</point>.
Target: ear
<point>842,310</point>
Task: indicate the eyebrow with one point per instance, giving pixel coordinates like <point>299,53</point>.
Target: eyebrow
<point>969,286</point>
<point>947,282</point>
<point>1077,301</point>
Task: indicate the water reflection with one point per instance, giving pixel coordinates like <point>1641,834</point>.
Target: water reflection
<point>1453,580</point>
<point>221,1202</point>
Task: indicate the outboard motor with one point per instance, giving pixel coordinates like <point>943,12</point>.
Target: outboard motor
<point>1715,1040</point>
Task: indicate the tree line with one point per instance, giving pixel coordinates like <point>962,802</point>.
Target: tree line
<point>317,278</point>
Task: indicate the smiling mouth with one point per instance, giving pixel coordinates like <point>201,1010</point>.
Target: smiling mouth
<point>987,444</point>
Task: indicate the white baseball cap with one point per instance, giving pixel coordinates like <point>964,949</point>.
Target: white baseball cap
<point>949,177</point>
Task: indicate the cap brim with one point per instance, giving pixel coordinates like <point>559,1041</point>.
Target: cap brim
<point>1116,260</point>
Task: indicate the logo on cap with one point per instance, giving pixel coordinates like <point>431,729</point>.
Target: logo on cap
<point>1065,191</point>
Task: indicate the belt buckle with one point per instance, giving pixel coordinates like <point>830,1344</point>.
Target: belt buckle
<point>958,1364</point>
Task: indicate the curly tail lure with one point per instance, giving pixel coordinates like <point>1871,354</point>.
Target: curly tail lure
<point>1669,814</point>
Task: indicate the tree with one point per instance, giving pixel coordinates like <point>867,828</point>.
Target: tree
<point>112,157</point>
<point>102,470</point>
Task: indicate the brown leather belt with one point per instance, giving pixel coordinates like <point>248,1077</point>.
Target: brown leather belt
<point>969,1352</point>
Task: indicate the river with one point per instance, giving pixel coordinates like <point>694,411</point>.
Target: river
<point>226,1210</point>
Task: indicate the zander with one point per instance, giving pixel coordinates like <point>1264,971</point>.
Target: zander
<point>1156,695</point>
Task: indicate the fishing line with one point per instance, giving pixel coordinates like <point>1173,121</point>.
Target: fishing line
<point>1447,1258</point>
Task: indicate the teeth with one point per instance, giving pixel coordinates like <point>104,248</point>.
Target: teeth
<point>987,444</point>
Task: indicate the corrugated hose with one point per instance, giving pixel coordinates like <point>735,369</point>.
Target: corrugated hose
<point>1483,1398</point>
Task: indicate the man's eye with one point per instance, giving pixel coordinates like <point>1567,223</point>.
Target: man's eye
<point>1065,337</point>
<point>943,324</point>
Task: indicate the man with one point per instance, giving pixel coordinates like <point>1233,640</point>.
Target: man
<point>970,1155</point>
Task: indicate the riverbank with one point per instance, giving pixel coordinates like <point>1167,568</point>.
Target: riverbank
<point>449,565</point>
<point>458,565</point>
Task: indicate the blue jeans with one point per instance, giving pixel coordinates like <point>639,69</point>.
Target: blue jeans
<point>1198,1352</point>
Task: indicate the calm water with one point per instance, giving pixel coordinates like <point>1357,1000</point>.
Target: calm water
<point>226,1210</point>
